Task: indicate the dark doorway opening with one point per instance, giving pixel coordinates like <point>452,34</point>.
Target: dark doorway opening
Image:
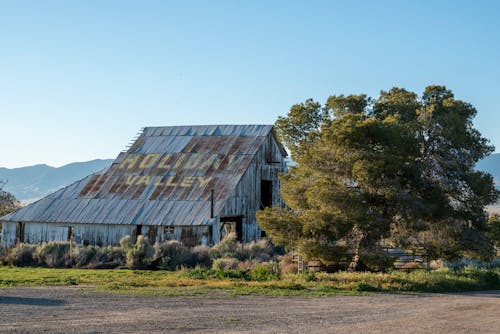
<point>71,232</point>
<point>231,225</point>
<point>266,194</point>
<point>138,231</point>
<point>152,232</point>
<point>20,233</point>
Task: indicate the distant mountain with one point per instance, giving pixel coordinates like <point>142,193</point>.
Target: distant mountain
<point>491,165</point>
<point>33,182</point>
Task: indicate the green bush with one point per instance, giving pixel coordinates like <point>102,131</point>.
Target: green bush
<point>310,276</point>
<point>264,272</point>
<point>203,273</point>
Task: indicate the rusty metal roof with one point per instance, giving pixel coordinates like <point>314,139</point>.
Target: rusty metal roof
<point>164,178</point>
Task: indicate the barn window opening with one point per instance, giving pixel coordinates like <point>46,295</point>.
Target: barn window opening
<point>266,194</point>
<point>232,225</point>
<point>168,232</point>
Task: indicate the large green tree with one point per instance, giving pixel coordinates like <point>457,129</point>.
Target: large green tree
<point>398,169</point>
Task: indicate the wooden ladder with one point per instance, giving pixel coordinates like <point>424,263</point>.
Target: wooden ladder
<point>297,258</point>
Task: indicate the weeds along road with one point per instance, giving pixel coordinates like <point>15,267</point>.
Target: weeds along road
<point>77,310</point>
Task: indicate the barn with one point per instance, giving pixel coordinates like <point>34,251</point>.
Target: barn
<point>189,183</point>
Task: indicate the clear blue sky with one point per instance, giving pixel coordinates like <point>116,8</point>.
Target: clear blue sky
<point>78,79</point>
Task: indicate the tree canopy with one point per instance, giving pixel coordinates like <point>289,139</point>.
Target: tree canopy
<point>395,170</point>
<point>8,202</point>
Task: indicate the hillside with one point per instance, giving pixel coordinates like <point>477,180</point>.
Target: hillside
<point>491,165</point>
<point>32,182</point>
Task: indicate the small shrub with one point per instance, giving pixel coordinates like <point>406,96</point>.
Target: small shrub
<point>287,266</point>
<point>109,257</point>
<point>410,266</point>
<point>55,254</point>
<point>376,259</point>
<point>171,255</point>
<point>247,264</point>
<point>201,256</point>
<point>226,263</point>
<point>22,255</point>
<point>227,248</point>
<point>264,272</point>
<point>310,276</point>
<point>363,286</point>
<point>138,255</point>
<point>82,256</point>
<point>261,250</point>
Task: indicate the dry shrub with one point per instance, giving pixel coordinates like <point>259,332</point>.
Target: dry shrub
<point>261,250</point>
<point>286,265</point>
<point>138,255</point>
<point>227,248</point>
<point>410,266</point>
<point>226,263</point>
<point>171,255</point>
<point>83,256</point>
<point>109,257</point>
<point>201,256</point>
<point>54,254</point>
<point>247,264</point>
<point>22,255</point>
<point>437,264</point>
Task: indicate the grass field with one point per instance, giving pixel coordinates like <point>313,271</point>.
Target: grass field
<point>211,282</point>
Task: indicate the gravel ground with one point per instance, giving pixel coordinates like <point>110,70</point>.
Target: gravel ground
<point>76,310</point>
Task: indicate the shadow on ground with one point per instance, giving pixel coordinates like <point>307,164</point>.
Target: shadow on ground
<point>31,301</point>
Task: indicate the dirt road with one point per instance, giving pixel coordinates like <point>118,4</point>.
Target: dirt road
<point>72,310</point>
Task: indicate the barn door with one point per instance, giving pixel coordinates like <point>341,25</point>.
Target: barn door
<point>19,233</point>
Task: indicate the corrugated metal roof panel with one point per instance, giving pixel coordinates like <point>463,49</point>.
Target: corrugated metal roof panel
<point>165,178</point>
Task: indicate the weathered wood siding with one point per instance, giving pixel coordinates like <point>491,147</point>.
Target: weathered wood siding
<point>8,234</point>
<point>101,234</point>
<point>245,201</point>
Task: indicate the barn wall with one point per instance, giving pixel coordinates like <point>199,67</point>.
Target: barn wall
<point>102,234</point>
<point>245,201</point>
<point>8,234</point>
<point>188,235</point>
